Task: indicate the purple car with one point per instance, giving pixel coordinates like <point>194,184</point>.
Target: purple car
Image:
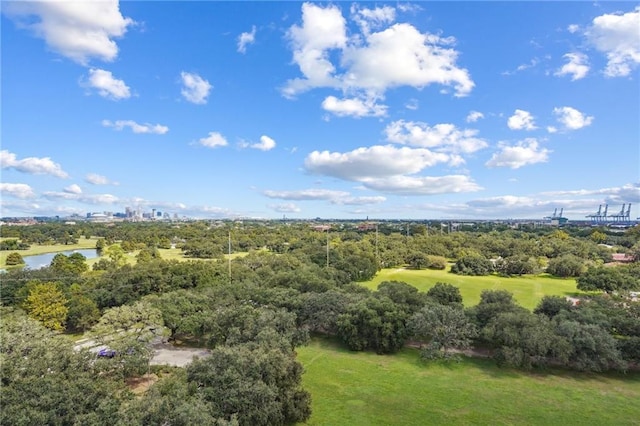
<point>107,353</point>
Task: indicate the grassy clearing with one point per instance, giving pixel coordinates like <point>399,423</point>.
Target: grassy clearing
<point>354,388</point>
<point>527,290</point>
<point>83,243</point>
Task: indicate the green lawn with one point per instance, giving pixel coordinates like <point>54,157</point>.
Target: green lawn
<point>350,388</point>
<point>527,290</point>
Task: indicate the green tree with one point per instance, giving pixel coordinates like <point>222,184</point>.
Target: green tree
<point>260,385</point>
<point>373,323</point>
<point>14,258</point>
<point>116,255</point>
<point>552,306</point>
<point>607,279</point>
<point>445,294</point>
<point>523,339</point>
<point>83,311</point>
<point>441,328</point>
<point>566,266</point>
<point>472,265</point>
<point>47,304</point>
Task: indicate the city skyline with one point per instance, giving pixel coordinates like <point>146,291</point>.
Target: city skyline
<point>478,110</point>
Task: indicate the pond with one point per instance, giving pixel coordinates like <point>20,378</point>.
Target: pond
<point>41,260</point>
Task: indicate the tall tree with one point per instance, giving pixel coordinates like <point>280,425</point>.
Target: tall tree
<point>47,304</point>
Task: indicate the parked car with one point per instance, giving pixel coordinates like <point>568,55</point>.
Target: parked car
<point>107,353</point>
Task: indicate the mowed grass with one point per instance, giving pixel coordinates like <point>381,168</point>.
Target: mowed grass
<point>83,243</point>
<point>355,388</point>
<point>527,290</point>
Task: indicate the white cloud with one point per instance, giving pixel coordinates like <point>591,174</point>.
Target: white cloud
<point>213,140</point>
<point>359,201</point>
<point>31,165</point>
<point>412,104</point>
<point>573,28</point>
<point>78,30</point>
<point>422,185</point>
<point>96,179</point>
<point>552,129</point>
<point>265,144</point>
<point>521,120</point>
<point>375,161</point>
<point>306,194</point>
<point>371,62</point>
<point>474,116</point>
<point>577,66</point>
<point>442,137</point>
<point>246,39</point>
<point>523,153</point>
<point>354,107</point>
<point>368,19</point>
<point>93,199</point>
<point>285,208</point>
<point>617,36</point>
<point>73,189</point>
<point>195,89</point>
<point>157,129</point>
<point>18,190</point>
<point>628,193</point>
<point>107,86</point>
<point>571,118</point>
<point>334,197</point>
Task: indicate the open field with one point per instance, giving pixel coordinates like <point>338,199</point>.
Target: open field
<point>355,388</point>
<point>83,243</point>
<point>527,290</point>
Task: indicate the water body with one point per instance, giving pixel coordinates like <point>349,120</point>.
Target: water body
<point>41,260</point>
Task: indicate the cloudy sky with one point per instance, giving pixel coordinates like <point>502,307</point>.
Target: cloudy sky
<point>332,110</point>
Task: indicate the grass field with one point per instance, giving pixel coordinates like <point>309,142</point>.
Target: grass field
<point>350,388</point>
<point>527,290</point>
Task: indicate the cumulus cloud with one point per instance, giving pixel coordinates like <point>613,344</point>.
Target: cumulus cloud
<point>77,30</point>
<point>18,190</point>
<point>246,39</point>
<point>31,165</point>
<point>617,36</point>
<point>573,28</point>
<point>96,179</point>
<point>213,140</point>
<point>523,153</point>
<point>359,201</point>
<point>521,120</point>
<point>474,116</point>
<point>376,18</point>
<point>157,129</point>
<point>371,62</point>
<point>441,137</point>
<point>354,107</point>
<point>107,85</point>
<point>577,66</point>
<point>195,89</point>
<point>73,189</point>
<point>265,144</point>
<point>422,185</point>
<point>571,118</point>
<point>285,208</point>
<point>375,161</point>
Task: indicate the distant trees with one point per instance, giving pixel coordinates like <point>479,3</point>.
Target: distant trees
<point>566,266</point>
<point>472,265</point>
<point>608,279</point>
<point>445,294</point>
<point>13,244</point>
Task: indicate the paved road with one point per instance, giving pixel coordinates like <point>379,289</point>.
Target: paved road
<point>163,354</point>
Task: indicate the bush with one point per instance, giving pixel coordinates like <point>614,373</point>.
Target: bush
<point>436,262</point>
<point>14,259</point>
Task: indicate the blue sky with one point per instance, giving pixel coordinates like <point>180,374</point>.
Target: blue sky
<point>333,110</point>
